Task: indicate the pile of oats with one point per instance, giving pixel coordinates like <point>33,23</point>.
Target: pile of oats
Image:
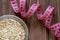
<point>11,30</point>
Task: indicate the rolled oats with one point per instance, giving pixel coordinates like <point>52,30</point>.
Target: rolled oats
<point>11,30</point>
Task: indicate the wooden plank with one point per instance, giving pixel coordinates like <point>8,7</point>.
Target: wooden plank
<point>29,20</point>
<point>0,7</point>
<point>11,12</point>
<point>54,20</point>
<point>45,4</point>
<point>37,32</point>
<point>6,7</point>
<point>58,10</point>
<point>3,6</point>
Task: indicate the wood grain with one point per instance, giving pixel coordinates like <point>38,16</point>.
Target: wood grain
<point>37,30</point>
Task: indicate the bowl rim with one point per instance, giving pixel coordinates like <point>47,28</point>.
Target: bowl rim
<point>19,20</point>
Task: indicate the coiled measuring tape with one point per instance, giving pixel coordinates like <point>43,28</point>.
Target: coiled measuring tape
<point>46,16</point>
<point>22,7</point>
<point>15,6</point>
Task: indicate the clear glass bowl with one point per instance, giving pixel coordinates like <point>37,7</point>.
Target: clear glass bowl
<point>17,19</point>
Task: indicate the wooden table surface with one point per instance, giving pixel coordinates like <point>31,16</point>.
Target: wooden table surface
<point>37,30</point>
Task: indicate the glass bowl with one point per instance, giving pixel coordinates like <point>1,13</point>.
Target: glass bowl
<point>18,20</point>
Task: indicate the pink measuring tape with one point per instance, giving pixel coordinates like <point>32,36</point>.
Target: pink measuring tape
<point>36,7</point>
<point>22,7</point>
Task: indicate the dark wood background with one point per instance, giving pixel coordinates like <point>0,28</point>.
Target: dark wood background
<point>37,31</point>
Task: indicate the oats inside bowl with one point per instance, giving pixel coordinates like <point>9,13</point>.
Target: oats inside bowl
<point>11,30</point>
